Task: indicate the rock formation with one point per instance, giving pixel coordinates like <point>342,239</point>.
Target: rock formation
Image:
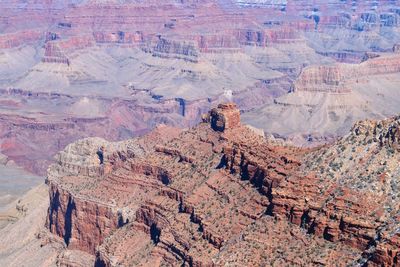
<point>303,71</point>
<point>220,194</point>
<point>317,67</point>
<point>225,117</point>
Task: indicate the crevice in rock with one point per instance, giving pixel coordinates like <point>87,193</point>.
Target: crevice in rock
<point>341,224</point>
<point>99,262</point>
<point>244,175</point>
<point>182,106</point>
<point>68,221</point>
<point>100,154</point>
<point>223,163</point>
<point>165,179</point>
<point>326,235</point>
<point>305,219</point>
<point>311,229</point>
<point>53,209</point>
<point>155,233</point>
<point>181,207</point>
<point>121,221</point>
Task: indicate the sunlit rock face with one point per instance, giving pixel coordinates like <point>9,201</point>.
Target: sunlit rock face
<point>225,117</point>
<point>220,193</point>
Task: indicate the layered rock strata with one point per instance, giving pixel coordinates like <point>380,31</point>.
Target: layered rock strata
<point>212,196</point>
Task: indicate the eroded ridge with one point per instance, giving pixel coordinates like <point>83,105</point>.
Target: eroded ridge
<point>220,193</point>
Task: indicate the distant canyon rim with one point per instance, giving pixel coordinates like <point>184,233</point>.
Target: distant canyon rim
<point>303,72</point>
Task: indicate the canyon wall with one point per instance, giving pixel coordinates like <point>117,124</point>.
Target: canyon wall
<point>192,197</point>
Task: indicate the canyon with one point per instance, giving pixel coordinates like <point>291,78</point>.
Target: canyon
<point>302,72</point>
<point>199,133</point>
<point>221,194</point>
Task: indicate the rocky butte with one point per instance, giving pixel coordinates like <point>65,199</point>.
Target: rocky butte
<point>219,194</point>
<point>226,116</point>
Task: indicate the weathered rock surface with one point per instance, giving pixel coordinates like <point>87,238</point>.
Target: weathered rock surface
<point>225,117</point>
<point>206,197</point>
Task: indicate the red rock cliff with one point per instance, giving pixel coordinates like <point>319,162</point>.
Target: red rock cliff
<point>219,193</point>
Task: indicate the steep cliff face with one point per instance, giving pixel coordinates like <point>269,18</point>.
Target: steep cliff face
<point>338,78</point>
<point>82,224</point>
<point>208,196</point>
<point>226,116</point>
<point>58,51</point>
<point>84,221</point>
<point>12,40</point>
<point>178,49</point>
